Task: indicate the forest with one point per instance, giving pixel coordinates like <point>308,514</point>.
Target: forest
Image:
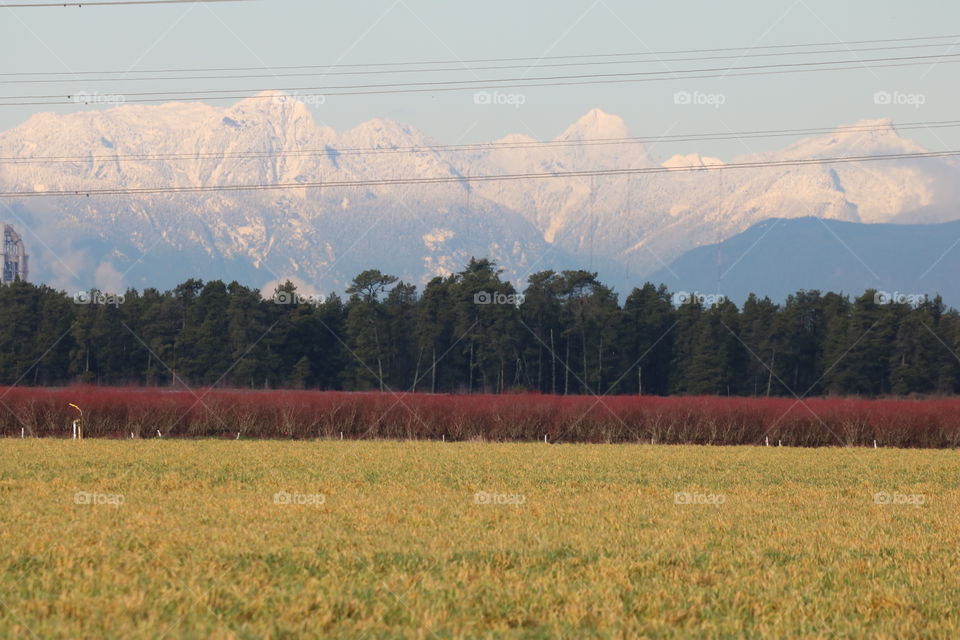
<point>473,332</point>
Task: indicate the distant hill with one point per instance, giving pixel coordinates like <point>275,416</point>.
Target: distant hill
<point>779,256</point>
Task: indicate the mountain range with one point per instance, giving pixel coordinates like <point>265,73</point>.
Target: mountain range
<point>777,257</point>
<point>627,227</point>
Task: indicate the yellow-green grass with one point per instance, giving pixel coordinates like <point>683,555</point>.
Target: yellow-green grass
<point>400,548</point>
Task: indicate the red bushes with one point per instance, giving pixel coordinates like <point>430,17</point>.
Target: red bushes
<point>114,412</point>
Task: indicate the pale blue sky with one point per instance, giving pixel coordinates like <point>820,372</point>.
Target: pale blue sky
<point>296,32</point>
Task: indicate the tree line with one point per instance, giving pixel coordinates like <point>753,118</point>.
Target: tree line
<point>472,332</point>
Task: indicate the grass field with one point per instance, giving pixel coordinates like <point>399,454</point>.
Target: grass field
<point>244,539</point>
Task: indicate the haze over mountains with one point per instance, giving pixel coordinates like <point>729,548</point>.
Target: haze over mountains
<point>625,227</point>
<point>779,257</point>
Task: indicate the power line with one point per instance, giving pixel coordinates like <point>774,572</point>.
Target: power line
<point>502,83</point>
<point>953,37</point>
<point>109,4</point>
<point>479,147</point>
<point>481,178</point>
<point>463,68</point>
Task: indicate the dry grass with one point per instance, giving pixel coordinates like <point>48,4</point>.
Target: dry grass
<point>597,547</point>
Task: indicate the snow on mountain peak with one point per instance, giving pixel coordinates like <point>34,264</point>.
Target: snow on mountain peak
<point>680,161</point>
<point>516,138</point>
<point>885,123</point>
<point>637,220</point>
<point>271,105</point>
<point>881,128</point>
<point>596,124</point>
<point>861,138</point>
<point>383,133</point>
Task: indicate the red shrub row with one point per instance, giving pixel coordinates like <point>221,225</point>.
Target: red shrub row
<point>116,412</point>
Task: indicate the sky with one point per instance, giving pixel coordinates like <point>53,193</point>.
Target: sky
<point>276,33</point>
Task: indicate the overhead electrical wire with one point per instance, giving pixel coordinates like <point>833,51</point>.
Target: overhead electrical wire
<point>474,84</point>
<point>480,178</point>
<point>955,38</point>
<point>475,147</point>
<point>461,69</point>
<point>502,83</point>
<point>104,3</point>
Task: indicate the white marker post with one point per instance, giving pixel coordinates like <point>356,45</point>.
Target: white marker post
<point>768,441</point>
<point>159,435</point>
<point>78,423</point>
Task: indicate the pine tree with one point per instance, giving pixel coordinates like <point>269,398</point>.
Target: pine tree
<point>647,335</point>
<point>434,330</point>
<point>540,315</point>
<point>300,375</point>
<point>367,331</point>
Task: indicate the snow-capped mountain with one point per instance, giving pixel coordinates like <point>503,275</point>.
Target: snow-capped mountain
<point>626,227</point>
